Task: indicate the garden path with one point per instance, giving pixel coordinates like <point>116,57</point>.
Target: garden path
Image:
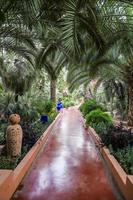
<point>69,166</point>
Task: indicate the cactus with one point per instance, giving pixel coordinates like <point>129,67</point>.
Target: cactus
<point>14,135</point>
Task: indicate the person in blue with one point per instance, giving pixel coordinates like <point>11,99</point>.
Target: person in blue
<point>59,105</point>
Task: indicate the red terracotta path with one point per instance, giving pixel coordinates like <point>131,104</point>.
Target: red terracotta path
<point>68,167</point>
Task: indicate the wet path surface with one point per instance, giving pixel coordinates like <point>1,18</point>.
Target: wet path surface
<point>68,167</point>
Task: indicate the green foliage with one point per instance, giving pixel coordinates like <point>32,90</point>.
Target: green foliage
<point>81,107</point>
<point>68,104</point>
<point>81,33</point>
<point>32,131</point>
<point>52,115</point>
<point>26,112</point>
<point>43,106</point>
<point>38,128</point>
<point>101,129</point>
<point>39,105</point>
<point>68,101</point>
<point>48,106</point>
<point>119,141</point>
<point>3,126</point>
<point>5,163</point>
<point>90,105</point>
<point>98,116</point>
<point>125,157</point>
<point>8,163</point>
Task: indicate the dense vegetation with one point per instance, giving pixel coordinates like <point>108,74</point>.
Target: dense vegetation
<point>118,139</point>
<point>32,127</point>
<point>42,40</point>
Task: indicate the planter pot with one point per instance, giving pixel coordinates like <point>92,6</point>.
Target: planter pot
<point>10,179</point>
<point>44,118</point>
<point>123,180</point>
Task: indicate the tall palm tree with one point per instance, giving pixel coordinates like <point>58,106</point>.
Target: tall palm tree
<point>52,60</point>
<point>112,27</point>
<point>78,27</point>
<point>17,78</point>
<point>115,73</point>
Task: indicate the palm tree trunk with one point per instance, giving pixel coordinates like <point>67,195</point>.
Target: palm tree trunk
<point>130,105</point>
<point>53,90</point>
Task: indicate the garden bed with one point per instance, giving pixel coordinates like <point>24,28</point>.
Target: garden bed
<point>123,180</point>
<point>10,179</point>
<point>30,136</point>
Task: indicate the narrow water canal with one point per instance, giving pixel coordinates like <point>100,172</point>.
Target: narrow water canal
<point>69,166</point>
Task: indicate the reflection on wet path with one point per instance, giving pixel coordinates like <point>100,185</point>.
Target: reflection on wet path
<point>68,168</point>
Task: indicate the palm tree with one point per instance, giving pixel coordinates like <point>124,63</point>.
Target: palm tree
<point>116,75</point>
<point>22,13</point>
<point>92,23</point>
<point>15,41</point>
<point>115,91</point>
<point>111,23</point>
<point>17,78</point>
<point>52,60</point>
<point>83,71</point>
<point>78,26</point>
<point>17,22</point>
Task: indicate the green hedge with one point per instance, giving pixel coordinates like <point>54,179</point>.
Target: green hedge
<point>90,105</point>
<point>97,116</point>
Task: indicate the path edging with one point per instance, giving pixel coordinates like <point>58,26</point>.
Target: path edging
<point>123,180</point>
<point>10,179</point>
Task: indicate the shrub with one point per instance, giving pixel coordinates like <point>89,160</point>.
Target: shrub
<point>67,104</point>
<point>116,136</point>
<point>29,135</point>
<point>53,115</point>
<point>125,157</point>
<point>31,132</point>
<point>81,107</point>
<point>68,101</point>
<point>43,106</point>
<point>48,106</point>
<point>102,130</point>
<point>3,127</point>
<point>39,105</point>
<point>98,116</point>
<point>119,137</point>
<point>101,122</point>
<point>26,112</point>
<point>90,105</point>
<point>8,163</point>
